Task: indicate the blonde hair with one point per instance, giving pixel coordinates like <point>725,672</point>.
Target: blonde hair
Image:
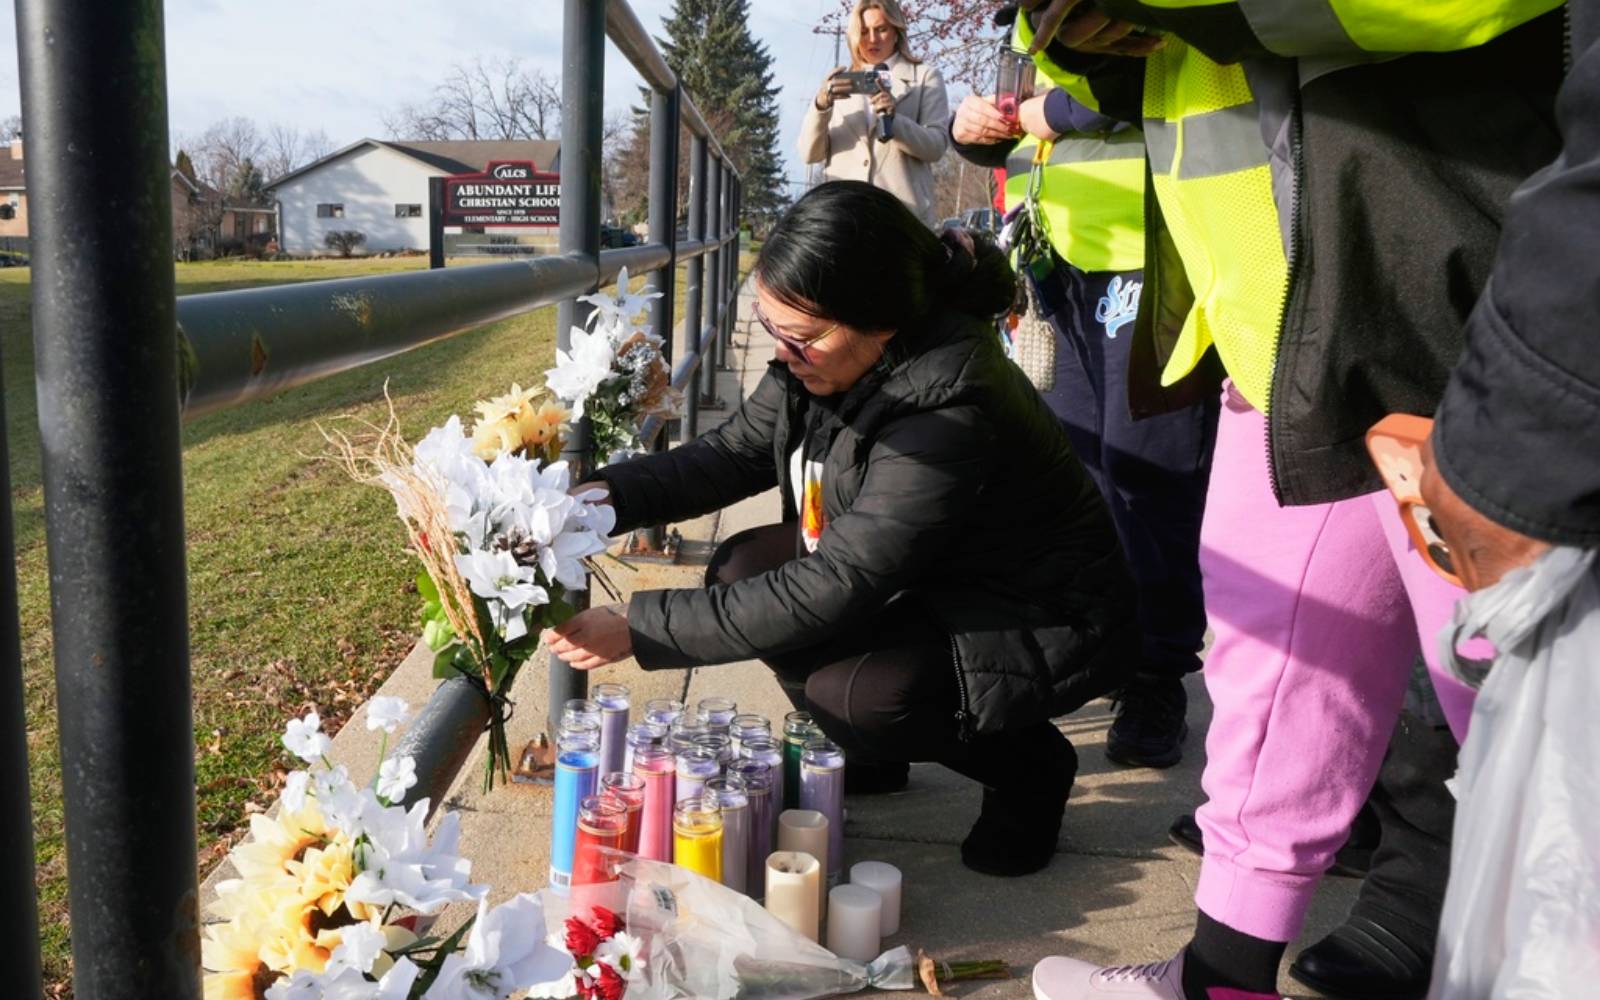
<point>891,13</point>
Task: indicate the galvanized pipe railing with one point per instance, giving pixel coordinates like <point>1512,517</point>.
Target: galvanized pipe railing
<point>693,290</point>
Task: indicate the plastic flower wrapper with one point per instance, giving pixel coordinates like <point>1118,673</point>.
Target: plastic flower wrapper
<point>704,941</point>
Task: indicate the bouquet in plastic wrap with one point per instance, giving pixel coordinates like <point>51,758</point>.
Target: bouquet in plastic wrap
<point>700,940</point>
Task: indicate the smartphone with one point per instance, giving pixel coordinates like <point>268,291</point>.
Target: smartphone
<point>867,81</point>
<point>1014,81</point>
<point>1395,444</point>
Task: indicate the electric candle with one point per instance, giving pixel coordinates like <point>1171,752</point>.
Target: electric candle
<point>729,794</point>
<point>697,836</point>
<point>601,823</point>
<point>822,789</point>
<point>577,769</point>
<point>695,765</point>
<point>798,728</point>
<point>627,789</point>
<point>613,702</point>
<point>806,830</point>
<point>883,879</point>
<point>659,769</point>
<point>793,878</point>
<point>854,914</point>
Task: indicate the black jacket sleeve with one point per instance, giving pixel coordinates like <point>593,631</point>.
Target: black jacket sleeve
<point>1518,431</point>
<point>980,154</point>
<point>714,470</point>
<point>923,475</point>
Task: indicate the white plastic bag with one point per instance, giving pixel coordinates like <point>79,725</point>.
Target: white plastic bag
<point>1522,913</point>
<point>704,941</point>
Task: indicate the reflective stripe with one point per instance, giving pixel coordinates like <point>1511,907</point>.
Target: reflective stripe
<point>1299,27</point>
<point>1214,143</point>
<point>1124,145</point>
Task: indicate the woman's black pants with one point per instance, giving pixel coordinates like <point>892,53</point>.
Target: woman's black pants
<point>888,691</point>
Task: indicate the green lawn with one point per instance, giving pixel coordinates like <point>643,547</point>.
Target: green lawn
<point>299,591</point>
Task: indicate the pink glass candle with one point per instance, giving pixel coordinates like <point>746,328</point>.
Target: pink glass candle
<point>658,769</point>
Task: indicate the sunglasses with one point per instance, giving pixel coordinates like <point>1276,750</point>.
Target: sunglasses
<point>799,347</point>
<point>1395,444</point>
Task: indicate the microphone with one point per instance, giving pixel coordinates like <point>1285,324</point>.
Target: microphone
<point>885,121</point>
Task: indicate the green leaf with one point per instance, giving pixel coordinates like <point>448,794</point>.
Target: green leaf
<point>426,587</point>
<point>431,967</point>
<point>438,634</point>
<point>443,665</point>
<point>499,663</point>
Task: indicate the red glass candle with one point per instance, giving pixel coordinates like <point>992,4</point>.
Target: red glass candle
<point>628,789</point>
<point>601,822</point>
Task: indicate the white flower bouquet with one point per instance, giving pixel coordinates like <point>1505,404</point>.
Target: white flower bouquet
<point>616,373</point>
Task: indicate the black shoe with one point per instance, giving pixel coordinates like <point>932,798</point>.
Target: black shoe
<point>1150,726</point>
<point>1362,960</point>
<point>1351,861</point>
<point>1015,834</point>
<point>875,777</point>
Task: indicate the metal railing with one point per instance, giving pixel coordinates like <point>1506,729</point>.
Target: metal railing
<point>113,389</point>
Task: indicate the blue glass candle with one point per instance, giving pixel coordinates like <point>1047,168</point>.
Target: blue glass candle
<point>577,774</point>
<point>822,789</point>
<point>757,778</point>
<point>696,766</point>
<point>613,702</point>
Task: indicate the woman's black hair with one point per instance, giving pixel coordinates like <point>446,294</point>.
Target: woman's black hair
<point>854,254</point>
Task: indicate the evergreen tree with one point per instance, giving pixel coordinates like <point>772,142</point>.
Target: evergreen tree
<point>729,75</point>
<point>185,166</point>
<point>248,187</point>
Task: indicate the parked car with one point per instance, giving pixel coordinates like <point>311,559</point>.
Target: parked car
<point>616,236</point>
<point>954,222</point>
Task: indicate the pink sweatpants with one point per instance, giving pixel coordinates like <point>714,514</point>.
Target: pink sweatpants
<point>1317,615</point>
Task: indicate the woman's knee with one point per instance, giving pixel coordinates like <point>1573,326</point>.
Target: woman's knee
<point>750,553</point>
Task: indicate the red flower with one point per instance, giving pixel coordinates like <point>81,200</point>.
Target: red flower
<point>611,986</point>
<point>581,940</point>
<point>605,923</point>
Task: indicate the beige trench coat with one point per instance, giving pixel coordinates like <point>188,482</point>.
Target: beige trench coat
<point>844,138</point>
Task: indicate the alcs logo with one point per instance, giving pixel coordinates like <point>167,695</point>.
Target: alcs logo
<point>511,172</point>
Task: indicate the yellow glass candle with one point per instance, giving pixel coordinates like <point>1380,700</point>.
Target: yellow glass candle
<point>697,836</point>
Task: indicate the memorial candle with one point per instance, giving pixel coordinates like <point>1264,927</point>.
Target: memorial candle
<point>697,837</point>
<point>613,702</point>
<point>770,753</point>
<point>719,743</point>
<point>642,734</point>
<point>626,788</point>
<point>717,713</point>
<point>685,733</point>
<point>578,711</point>
<point>798,728</point>
<point>822,789</point>
<point>695,765</point>
<point>806,830</point>
<point>658,768</point>
<point>883,879</point>
<point>748,726</point>
<point>729,794</point>
<point>601,823</point>
<point>757,780</point>
<point>577,771</point>
<point>663,711</point>
<point>792,890</point>
<point>853,921</point>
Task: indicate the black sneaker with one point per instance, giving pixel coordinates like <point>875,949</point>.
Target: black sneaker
<point>1150,727</point>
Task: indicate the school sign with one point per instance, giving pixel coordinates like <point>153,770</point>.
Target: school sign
<point>511,193</point>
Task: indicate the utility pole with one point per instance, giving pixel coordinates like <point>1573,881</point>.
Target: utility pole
<point>814,170</point>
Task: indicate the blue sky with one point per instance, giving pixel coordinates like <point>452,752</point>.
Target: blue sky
<point>340,65</point>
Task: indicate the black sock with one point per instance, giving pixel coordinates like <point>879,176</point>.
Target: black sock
<point>1222,956</point>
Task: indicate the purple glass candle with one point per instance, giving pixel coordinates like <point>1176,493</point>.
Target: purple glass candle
<point>613,702</point>
<point>757,778</point>
<point>729,792</point>
<point>770,753</point>
<point>822,789</point>
<point>720,743</point>
<point>696,766</point>
<point>578,711</point>
<point>748,726</point>
<point>717,713</point>
<point>663,711</point>
<point>642,734</point>
<point>683,734</point>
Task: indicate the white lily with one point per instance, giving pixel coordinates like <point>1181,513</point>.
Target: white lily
<point>497,577</point>
<point>506,951</point>
<point>622,309</point>
<point>395,776</point>
<point>305,739</point>
<point>402,865</point>
<point>294,790</point>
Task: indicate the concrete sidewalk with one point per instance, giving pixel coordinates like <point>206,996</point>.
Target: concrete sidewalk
<point>1117,892</point>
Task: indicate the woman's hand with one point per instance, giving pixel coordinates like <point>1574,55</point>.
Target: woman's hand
<point>1483,550</point>
<point>1083,26</point>
<point>587,491</point>
<point>1031,114</point>
<point>832,89</point>
<point>882,102</point>
<point>978,122</point>
<point>592,638</point>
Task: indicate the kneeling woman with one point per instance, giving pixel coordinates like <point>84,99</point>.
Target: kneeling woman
<point>945,578</point>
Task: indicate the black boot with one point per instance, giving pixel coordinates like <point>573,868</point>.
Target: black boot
<point>1026,777</point>
<point>1151,722</point>
<point>1384,950</point>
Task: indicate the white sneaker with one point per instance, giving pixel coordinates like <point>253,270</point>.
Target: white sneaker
<point>1058,978</point>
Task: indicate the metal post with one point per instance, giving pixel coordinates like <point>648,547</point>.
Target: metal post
<point>17,893</point>
<point>106,371</point>
<point>664,229</point>
<point>730,267</point>
<point>693,291</point>
<point>713,282</point>
<point>435,222</point>
<point>583,51</point>
<point>736,212</point>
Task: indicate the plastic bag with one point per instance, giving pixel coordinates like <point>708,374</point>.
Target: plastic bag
<point>1522,913</point>
<point>704,941</point>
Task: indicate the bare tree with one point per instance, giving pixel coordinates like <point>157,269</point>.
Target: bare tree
<point>286,148</point>
<point>499,99</point>
<point>616,147</point>
<point>957,36</point>
<point>10,128</point>
<point>220,152</point>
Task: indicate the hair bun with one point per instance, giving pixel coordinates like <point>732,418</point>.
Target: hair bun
<point>959,260</point>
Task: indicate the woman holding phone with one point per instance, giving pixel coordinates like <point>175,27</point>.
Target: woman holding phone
<point>886,129</point>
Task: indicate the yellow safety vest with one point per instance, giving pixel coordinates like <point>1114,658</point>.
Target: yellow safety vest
<point>1090,196</point>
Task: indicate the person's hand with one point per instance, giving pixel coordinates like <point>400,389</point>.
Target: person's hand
<point>978,122</point>
<point>832,88</point>
<point>882,102</point>
<point>1031,114</point>
<point>592,638</point>
<point>1081,25</point>
<point>1483,550</point>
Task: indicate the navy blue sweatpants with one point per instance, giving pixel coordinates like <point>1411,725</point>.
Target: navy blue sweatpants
<point>1152,472</point>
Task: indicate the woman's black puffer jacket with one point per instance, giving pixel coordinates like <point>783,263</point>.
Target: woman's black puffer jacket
<point>945,479</point>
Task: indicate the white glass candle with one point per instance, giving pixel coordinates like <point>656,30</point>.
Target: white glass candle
<point>883,879</point>
<point>807,830</point>
<point>792,881</point>
<point>854,914</point>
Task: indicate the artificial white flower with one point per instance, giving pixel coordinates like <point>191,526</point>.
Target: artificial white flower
<point>580,371</point>
<point>303,985</point>
<point>350,809</point>
<point>497,577</point>
<point>360,944</point>
<point>294,791</point>
<point>401,865</point>
<point>387,712</point>
<point>619,312</point>
<point>622,952</point>
<point>395,776</point>
<point>305,739</point>
<point>506,951</point>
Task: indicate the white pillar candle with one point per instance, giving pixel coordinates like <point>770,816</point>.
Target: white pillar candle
<point>883,879</point>
<point>792,880</point>
<point>854,914</point>
<point>807,830</point>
